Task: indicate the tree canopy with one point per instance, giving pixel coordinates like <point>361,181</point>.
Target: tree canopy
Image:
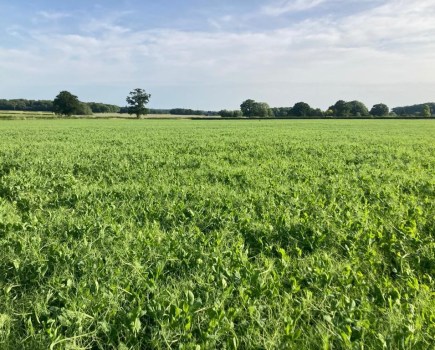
<point>137,99</point>
<point>248,107</point>
<point>348,109</point>
<point>426,111</point>
<point>103,107</point>
<point>262,110</point>
<point>252,109</point>
<point>416,110</point>
<point>26,105</point>
<point>379,110</point>
<point>358,109</point>
<point>301,109</point>
<point>67,104</point>
<point>340,109</point>
<point>230,114</point>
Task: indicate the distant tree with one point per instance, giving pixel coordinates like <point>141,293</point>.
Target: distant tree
<point>426,111</point>
<point>83,109</point>
<point>262,110</point>
<point>137,99</point>
<point>230,114</point>
<point>400,111</point>
<point>251,109</point>
<point>41,105</point>
<point>237,114</point>
<point>301,109</point>
<point>341,109</point>
<point>347,109</point>
<point>248,108</point>
<point>317,112</point>
<point>281,112</point>
<point>103,108</point>
<point>66,104</point>
<point>380,110</point>
<point>329,113</point>
<point>224,113</point>
<point>186,111</point>
<point>358,109</point>
<point>19,105</point>
<point>153,111</point>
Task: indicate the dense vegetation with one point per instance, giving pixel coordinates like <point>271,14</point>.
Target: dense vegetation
<point>249,108</point>
<point>187,111</point>
<point>26,105</point>
<point>199,234</point>
<point>67,104</point>
<point>103,107</point>
<point>47,106</point>
<point>415,109</point>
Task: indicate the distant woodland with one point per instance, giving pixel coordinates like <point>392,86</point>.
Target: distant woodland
<point>249,108</point>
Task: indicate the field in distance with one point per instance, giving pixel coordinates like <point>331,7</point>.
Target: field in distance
<point>18,115</point>
<point>122,234</point>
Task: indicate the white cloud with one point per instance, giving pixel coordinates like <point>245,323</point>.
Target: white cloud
<point>384,53</point>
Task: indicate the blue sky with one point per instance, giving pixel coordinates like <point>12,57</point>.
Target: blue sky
<point>214,54</point>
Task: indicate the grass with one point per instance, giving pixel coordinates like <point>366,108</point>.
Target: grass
<point>125,234</point>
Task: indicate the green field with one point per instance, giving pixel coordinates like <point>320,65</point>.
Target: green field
<point>154,234</point>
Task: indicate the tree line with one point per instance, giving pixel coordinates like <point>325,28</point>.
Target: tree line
<point>425,110</point>
<point>47,106</point>
<point>341,109</point>
<point>66,103</point>
<point>175,111</point>
<point>94,107</point>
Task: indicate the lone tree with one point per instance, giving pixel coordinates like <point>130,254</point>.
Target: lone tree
<point>66,104</point>
<point>137,99</point>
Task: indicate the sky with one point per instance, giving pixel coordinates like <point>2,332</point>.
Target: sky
<point>214,54</point>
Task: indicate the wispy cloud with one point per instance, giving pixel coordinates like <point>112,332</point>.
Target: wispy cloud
<point>52,15</point>
<point>282,7</point>
<point>221,22</point>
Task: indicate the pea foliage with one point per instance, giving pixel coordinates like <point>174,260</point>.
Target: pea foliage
<point>226,234</point>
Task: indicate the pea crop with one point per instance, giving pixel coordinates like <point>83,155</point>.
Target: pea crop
<point>161,234</point>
